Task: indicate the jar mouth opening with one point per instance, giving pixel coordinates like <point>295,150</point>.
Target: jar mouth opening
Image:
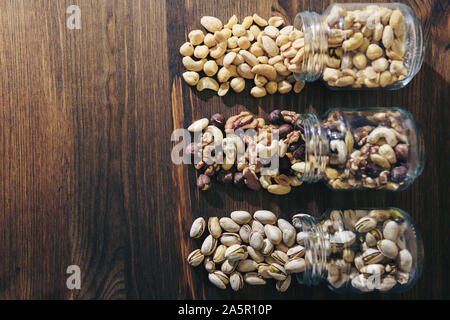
<point>315,250</point>
<point>316,45</point>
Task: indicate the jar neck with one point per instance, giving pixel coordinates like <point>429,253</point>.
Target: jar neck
<point>315,32</point>
<point>316,148</point>
<point>317,247</point>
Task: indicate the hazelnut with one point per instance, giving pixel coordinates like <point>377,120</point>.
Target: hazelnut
<point>238,179</point>
<point>225,177</point>
<point>284,130</point>
<point>399,173</point>
<point>203,182</point>
<point>218,120</point>
<point>275,117</point>
<point>401,151</point>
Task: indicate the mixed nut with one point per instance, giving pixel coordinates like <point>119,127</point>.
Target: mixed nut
<point>259,159</point>
<point>255,49</point>
<point>367,149</point>
<point>364,249</point>
<point>248,249</point>
<point>365,47</point>
<point>363,149</point>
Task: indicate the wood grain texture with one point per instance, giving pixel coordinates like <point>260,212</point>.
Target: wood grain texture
<point>85,170</point>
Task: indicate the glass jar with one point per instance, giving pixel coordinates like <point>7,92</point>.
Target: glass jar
<point>365,148</point>
<point>362,250</point>
<point>361,45</point>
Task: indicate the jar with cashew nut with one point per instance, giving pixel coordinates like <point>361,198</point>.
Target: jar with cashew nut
<point>371,148</point>
<point>360,250</point>
<point>360,45</point>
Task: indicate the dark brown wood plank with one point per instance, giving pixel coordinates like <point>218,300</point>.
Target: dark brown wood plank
<point>85,171</point>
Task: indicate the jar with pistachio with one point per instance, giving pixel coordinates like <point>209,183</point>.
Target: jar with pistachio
<point>361,45</point>
<point>361,250</point>
<point>366,148</point>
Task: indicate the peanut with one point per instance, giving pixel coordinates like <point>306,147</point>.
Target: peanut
<point>238,84</point>
<point>238,30</point>
<point>284,87</point>
<point>374,51</point>
<point>210,68</point>
<point>259,21</point>
<point>187,49</point>
<point>191,77</point>
<point>258,92</point>
<point>271,87</point>
<point>201,52</point>
<point>209,40</point>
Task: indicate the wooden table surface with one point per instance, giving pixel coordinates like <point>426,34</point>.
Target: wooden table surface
<point>85,172</point>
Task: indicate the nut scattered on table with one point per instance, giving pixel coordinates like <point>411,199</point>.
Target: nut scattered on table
<point>265,52</point>
<point>243,155</point>
<point>259,249</point>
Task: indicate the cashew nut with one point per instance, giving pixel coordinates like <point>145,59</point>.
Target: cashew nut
<point>229,148</point>
<point>387,152</point>
<point>341,148</point>
<point>266,70</point>
<point>267,151</point>
<point>380,160</point>
<point>383,132</point>
<point>192,65</point>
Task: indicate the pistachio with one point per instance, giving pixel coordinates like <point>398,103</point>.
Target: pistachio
<point>209,264</point>
<point>219,254</point>
<point>195,258</point>
<point>371,256</point>
<point>219,279</point>
<point>256,240</point>
<point>255,255</point>
<point>244,233</point>
<point>209,245</point>
<point>229,225</point>
<point>236,281</point>
<point>391,231</point>
<point>404,260</point>
<point>365,224</point>
<point>283,285</point>
<point>229,239</point>
<point>247,265</point>
<point>197,228</point>
<point>273,233</point>
<point>214,226</point>
<point>277,272</point>
<point>295,265</point>
<point>265,217</point>
<point>297,251</point>
<point>267,247</point>
<point>280,257</point>
<point>228,266</point>
<point>241,217</point>
<point>254,278</point>
<point>235,252</point>
<point>388,248</point>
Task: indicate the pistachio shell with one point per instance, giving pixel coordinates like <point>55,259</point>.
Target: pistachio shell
<point>229,225</point>
<point>241,217</point>
<point>273,233</point>
<point>265,217</point>
<point>236,281</point>
<point>197,228</point>
<point>388,248</point>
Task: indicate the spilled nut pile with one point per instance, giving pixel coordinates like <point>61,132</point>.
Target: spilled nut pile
<point>245,155</point>
<point>367,249</point>
<point>242,249</point>
<point>368,151</point>
<point>255,49</point>
<point>365,47</point>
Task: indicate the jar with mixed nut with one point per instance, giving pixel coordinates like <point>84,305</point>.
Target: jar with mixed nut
<point>357,45</point>
<point>366,148</point>
<point>362,250</point>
